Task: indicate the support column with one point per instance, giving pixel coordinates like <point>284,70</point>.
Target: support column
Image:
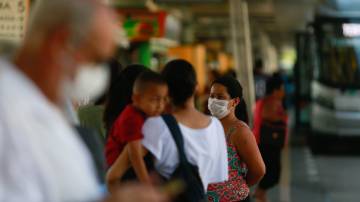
<point>242,50</point>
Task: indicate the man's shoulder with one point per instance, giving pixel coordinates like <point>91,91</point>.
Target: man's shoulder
<point>15,87</point>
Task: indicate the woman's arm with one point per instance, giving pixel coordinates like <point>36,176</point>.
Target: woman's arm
<point>122,164</point>
<point>136,155</point>
<point>248,150</point>
<point>117,170</point>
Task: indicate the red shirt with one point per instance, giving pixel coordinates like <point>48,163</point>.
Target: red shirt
<point>258,119</point>
<point>126,128</point>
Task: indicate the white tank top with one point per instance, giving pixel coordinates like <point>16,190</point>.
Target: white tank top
<point>205,148</point>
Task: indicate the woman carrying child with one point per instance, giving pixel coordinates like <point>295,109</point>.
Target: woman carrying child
<point>203,136</point>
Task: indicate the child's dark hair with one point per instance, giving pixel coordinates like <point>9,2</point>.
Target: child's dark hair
<point>147,78</point>
<point>120,93</point>
<point>181,79</point>
<point>275,82</point>
<point>235,90</point>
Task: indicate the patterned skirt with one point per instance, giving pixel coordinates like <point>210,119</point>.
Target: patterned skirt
<point>236,189</point>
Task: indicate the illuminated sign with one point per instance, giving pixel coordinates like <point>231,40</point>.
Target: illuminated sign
<point>141,25</point>
<point>351,30</point>
<point>13,16</point>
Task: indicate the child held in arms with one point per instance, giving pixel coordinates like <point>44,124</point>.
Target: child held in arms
<point>149,99</point>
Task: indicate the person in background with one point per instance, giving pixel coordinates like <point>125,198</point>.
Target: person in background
<point>33,129</point>
<point>260,79</point>
<point>288,86</point>
<point>90,125</point>
<point>148,99</point>
<point>270,130</point>
<point>246,166</point>
<point>91,114</point>
<point>120,94</point>
<point>231,73</point>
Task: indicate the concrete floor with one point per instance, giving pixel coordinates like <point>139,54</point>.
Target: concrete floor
<point>320,178</point>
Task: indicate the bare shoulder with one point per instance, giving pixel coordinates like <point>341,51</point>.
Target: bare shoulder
<point>242,132</point>
<point>243,127</point>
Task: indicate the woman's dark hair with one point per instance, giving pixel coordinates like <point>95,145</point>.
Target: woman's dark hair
<point>120,93</point>
<point>275,82</point>
<point>115,68</point>
<point>181,79</point>
<point>235,90</point>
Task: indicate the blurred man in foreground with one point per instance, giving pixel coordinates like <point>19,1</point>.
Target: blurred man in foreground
<point>41,157</point>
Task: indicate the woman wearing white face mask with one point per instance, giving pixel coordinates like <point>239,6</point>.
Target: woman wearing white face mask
<point>246,166</point>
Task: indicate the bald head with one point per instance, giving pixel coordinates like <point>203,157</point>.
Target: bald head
<point>63,35</point>
<point>75,16</point>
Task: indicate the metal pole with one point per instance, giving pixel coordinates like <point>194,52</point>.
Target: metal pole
<point>242,50</point>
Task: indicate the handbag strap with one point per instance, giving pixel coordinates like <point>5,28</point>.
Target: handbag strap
<point>175,131</point>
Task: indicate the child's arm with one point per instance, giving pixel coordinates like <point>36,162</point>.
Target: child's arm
<point>117,170</point>
<point>136,156</point>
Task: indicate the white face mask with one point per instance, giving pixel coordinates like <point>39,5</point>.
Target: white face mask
<point>218,108</point>
<point>89,83</point>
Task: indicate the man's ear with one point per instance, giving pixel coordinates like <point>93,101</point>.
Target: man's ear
<point>59,39</point>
